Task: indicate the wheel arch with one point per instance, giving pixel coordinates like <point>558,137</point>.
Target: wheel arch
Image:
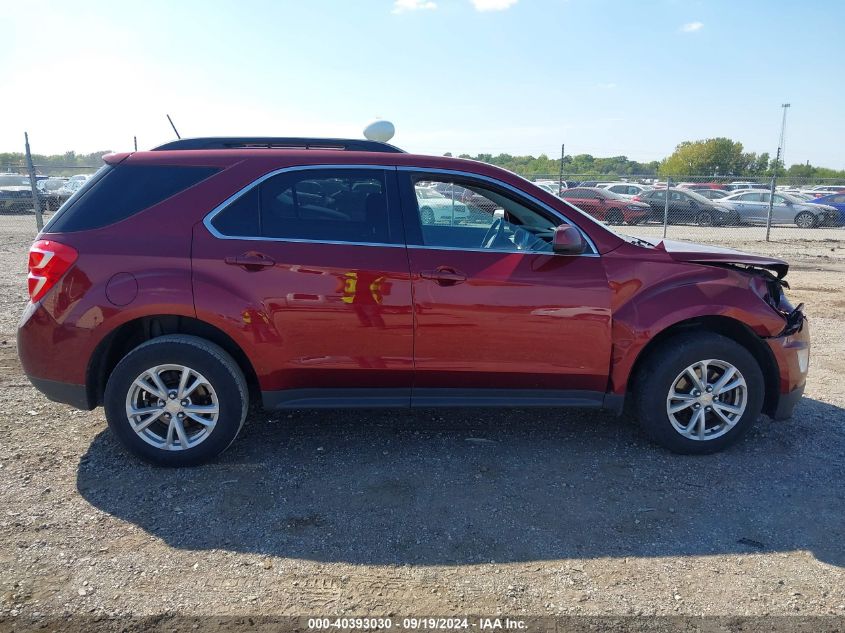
<point>730,328</point>
<point>127,336</point>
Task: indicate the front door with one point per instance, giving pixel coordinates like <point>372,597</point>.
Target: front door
<point>308,271</point>
<point>500,318</point>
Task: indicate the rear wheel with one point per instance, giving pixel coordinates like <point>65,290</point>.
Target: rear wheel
<point>805,220</point>
<point>614,218</point>
<point>176,400</point>
<point>698,393</point>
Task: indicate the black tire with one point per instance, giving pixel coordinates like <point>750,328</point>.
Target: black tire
<point>705,218</point>
<point>210,360</point>
<point>614,217</point>
<point>427,216</point>
<point>657,376</point>
<point>806,220</point>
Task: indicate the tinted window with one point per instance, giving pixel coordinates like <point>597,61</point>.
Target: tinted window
<point>122,191</point>
<point>751,197</point>
<point>240,217</point>
<point>335,205</point>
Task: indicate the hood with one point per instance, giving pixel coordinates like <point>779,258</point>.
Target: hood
<point>702,254</point>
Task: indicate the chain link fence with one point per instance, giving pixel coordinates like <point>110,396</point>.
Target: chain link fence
<point>30,193</point>
<point>699,208</point>
<point>707,208</point>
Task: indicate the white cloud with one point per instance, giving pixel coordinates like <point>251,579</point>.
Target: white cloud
<point>692,27</point>
<point>402,6</point>
<point>493,5</point>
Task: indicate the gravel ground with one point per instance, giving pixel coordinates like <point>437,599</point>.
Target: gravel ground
<point>519,512</point>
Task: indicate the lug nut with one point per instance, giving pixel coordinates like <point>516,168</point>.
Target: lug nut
<point>708,408</point>
<point>185,403</point>
<point>697,406</point>
<point>709,389</point>
<point>172,395</point>
<point>696,392</point>
<point>167,416</point>
<point>180,415</point>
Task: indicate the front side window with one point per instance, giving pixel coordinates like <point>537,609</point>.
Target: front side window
<point>334,205</point>
<point>474,216</point>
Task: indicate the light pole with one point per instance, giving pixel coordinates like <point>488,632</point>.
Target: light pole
<point>778,160</point>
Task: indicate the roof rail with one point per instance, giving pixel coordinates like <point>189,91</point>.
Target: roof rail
<point>258,142</point>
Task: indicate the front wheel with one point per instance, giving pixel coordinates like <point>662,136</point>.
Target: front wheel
<point>614,218</point>
<point>705,218</point>
<point>176,400</point>
<point>698,393</point>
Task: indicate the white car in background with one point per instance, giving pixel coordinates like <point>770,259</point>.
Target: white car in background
<point>625,189</point>
<point>435,208</point>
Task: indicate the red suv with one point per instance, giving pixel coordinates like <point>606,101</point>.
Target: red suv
<point>179,283</point>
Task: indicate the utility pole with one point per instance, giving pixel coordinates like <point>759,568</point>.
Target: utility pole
<point>33,185</point>
<point>778,159</point>
<point>560,179</point>
<point>135,138</point>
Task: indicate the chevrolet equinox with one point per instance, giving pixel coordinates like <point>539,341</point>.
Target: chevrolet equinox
<point>180,283</point>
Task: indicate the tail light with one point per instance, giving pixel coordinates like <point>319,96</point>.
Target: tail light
<point>48,261</point>
<point>636,199</point>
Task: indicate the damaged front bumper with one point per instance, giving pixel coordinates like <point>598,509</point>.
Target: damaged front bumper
<point>791,350</point>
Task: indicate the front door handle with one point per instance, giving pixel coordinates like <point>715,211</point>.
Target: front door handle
<point>250,261</point>
<point>444,275</point>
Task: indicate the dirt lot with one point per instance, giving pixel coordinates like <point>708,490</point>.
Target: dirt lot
<point>518,512</point>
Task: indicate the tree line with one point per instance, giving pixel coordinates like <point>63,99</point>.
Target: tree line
<point>715,157</point>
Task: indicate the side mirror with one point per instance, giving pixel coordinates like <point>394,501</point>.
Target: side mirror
<point>567,240</point>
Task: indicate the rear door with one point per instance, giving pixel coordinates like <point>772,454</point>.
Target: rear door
<point>498,316</point>
<point>307,270</point>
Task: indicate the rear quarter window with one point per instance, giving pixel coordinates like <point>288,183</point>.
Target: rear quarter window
<point>121,192</point>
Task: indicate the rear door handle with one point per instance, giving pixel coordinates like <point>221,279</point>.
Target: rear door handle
<point>444,275</point>
<point>250,261</point>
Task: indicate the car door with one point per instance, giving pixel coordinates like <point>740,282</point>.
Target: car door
<point>307,270</point>
<point>498,316</point>
<point>755,205</point>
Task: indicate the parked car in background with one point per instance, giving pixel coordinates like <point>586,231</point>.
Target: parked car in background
<point>552,188</point>
<point>241,288</point>
<point>835,200</point>
<point>14,180</point>
<point>752,207</point>
<point>71,187</point>
<point>686,207</point>
<point>16,199</point>
<point>624,189</point>
<point>606,206</point>
<point>53,191</point>
<point>713,194</point>
<point>696,186</point>
<point>435,208</point>
<point>737,185</point>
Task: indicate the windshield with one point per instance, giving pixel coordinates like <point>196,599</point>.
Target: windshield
<point>791,198</point>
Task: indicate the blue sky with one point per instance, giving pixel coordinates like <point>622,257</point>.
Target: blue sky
<point>606,77</point>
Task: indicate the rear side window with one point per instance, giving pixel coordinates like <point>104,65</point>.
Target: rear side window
<point>122,191</point>
<point>336,205</point>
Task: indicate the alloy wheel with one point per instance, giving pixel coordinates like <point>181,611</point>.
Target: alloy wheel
<point>172,407</point>
<point>707,399</point>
